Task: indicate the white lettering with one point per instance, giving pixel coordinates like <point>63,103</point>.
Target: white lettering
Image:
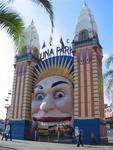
<point>66,50</point>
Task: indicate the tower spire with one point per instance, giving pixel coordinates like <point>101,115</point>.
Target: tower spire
<point>84,4</point>
<point>32,37</point>
<point>89,24</point>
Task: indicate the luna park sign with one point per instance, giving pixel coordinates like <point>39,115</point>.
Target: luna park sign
<point>66,50</point>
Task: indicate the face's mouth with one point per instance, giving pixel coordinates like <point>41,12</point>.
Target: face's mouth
<point>52,119</point>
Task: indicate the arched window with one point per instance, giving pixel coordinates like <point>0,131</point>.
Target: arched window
<point>83,35</point>
<point>87,56</point>
<point>81,58</point>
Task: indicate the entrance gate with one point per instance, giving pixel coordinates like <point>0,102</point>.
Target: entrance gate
<point>60,134</point>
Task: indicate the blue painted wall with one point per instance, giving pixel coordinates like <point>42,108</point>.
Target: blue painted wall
<point>20,129</point>
<point>88,126</point>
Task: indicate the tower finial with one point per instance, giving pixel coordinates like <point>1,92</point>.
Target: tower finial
<point>84,4</point>
<point>32,22</point>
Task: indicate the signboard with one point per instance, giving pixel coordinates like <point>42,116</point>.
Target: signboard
<point>66,50</point>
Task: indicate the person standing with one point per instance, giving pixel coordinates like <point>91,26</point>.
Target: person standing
<point>6,131</point>
<point>10,131</point>
<point>3,135</point>
<point>79,141</point>
<point>76,133</point>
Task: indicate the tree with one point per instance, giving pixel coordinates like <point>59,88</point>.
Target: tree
<point>108,76</point>
<point>47,5</point>
<point>11,22</point>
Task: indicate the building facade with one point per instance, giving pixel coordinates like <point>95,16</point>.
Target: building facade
<point>88,102</point>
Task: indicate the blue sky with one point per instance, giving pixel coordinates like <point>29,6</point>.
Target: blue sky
<point>65,19</point>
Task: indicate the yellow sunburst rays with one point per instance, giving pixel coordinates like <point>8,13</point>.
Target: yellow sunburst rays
<point>65,66</point>
<point>61,66</point>
<point>58,63</point>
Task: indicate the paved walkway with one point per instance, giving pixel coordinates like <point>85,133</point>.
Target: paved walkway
<point>32,145</point>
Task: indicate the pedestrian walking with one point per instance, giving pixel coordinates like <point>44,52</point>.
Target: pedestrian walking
<point>10,132</point>
<point>7,132</point>
<point>3,135</point>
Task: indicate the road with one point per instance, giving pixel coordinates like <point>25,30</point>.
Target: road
<point>32,145</point>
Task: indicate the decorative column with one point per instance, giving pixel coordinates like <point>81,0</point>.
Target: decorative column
<point>20,109</point>
<point>88,80</point>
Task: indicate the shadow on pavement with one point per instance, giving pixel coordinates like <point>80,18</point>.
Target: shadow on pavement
<point>5,147</point>
<point>20,142</point>
<point>94,146</point>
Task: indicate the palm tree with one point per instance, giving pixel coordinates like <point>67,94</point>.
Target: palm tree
<point>11,22</point>
<point>47,5</point>
<point>108,76</point>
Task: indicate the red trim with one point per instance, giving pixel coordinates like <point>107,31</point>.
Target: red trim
<point>91,80</point>
<point>14,92</point>
<point>101,102</point>
<point>79,86</point>
<point>23,74</point>
<point>18,92</point>
<point>85,85</point>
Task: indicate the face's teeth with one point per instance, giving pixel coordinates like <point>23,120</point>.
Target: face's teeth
<point>55,123</point>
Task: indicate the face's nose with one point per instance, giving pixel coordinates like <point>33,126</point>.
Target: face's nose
<point>48,104</point>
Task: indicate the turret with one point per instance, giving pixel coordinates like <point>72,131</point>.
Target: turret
<point>20,110</point>
<point>88,81</point>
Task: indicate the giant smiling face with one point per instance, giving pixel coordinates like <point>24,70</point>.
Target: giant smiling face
<point>53,100</point>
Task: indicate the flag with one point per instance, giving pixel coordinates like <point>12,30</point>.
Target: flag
<point>50,41</point>
<point>44,45</point>
<point>67,41</point>
<point>61,42</point>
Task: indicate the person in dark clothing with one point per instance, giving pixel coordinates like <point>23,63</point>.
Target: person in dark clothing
<point>3,135</point>
<point>10,132</point>
<point>79,140</point>
<point>7,132</point>
<point>92,138</point>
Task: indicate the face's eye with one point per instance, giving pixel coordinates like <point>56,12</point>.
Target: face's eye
<point>59,94</point>
<point>39,96</point>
